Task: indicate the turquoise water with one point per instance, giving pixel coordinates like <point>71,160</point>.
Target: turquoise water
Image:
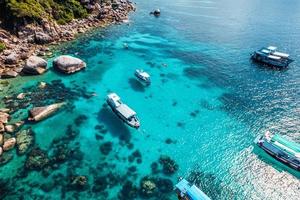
<point>206,96</point>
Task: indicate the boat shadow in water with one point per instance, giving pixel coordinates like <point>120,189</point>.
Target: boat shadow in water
<point>136,85</point>
<point>114,124</point>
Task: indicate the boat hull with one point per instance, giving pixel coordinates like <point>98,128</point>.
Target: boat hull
<point>278,154</point>
<point>122,117</point>
<point>270,62</point>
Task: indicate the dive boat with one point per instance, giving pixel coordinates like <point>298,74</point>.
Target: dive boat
<point>143,76</point>
<point>283,150</point>
<point>187,191</point>
<point>122,110</point>
<point>270,56</point>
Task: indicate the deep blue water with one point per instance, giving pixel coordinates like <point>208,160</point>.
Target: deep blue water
<point>206,96</point>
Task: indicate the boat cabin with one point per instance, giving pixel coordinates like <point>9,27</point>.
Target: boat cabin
<point>187,191</point>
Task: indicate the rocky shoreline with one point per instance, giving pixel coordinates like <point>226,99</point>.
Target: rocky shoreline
<point>34,39</point>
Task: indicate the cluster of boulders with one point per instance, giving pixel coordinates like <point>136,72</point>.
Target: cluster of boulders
<point>20,55</point>
<point>9,138</point>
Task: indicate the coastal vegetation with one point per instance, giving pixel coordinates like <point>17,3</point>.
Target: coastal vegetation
<point>2,46</point>
<point>21,11</point>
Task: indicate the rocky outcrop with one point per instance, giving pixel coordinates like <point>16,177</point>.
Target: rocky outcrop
<point>35,65</point>
<point>9,144</point>
<point>31,37</point>
<point>68,64</point>
<point>39,113</point>
<point>24,141</point>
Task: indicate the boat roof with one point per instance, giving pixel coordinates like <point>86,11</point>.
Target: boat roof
<point>143,73</point>
<point>272,48</point>
<point>267,51</point>
<point>274,57</point>
<point>114,97</point>
<point>191,190</point>
<point>125,111</point>
<point>280,54</point>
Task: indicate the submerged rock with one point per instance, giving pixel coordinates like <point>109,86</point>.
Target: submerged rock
<point>10,128</point>
<point>35,65</point>
<point>68,64</point>
<point>128,191</point>
<point>78,182</point>
<point>106,148</point>
<point>9,144</point>
<point>39,113</point>
<point>5,158</point>
<point>36,160</point>
<point>24,141</point>
<point>169,165</point>
<point>148,187</point>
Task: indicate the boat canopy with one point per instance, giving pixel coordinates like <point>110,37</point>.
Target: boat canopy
<point>274,57</point>
<point>266,51</point>
<point>288,144</point>
<point>125,111</point>
<point>145,74</point>
<point>280,54</point>
<point>115,99</point>
<point>272,48</point>
<point>191,191</point>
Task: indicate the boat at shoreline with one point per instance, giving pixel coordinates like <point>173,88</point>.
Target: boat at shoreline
<point>187,191</point>
<point>143,76</point>
<point>125,113</point>
<point>271,57</point>
<point>281,149</point>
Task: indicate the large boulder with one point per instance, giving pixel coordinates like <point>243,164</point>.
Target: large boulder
<point>12,58</point>
<point>24,141</point>
<point>9,144</point>
<point>35,65</point>
<point>42,38</point>
<point>68,64</point>
<point>38,113</point>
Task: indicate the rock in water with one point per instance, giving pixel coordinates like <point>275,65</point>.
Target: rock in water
<point>148,187</point>
<point>1,151</point>
<point>68,64</point>
<point>38,113</point>
<point>9,144</point>
<point>35,65</point>
<point>24,141</point>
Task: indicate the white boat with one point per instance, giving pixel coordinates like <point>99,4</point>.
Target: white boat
<point>272,57</point>
<point>122,110</point>
<point>143,76</point>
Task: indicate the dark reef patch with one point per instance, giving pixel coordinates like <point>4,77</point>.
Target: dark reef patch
<point>106,148</point>
<point>169,165</point>
<point>80,119</point>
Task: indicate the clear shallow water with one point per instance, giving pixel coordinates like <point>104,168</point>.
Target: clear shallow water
<point>206,95</point>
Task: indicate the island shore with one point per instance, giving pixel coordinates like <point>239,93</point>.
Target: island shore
<point>35,39</point>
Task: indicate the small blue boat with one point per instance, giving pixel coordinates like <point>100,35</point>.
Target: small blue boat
<point>270,56</point>
<point>186,191</point>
